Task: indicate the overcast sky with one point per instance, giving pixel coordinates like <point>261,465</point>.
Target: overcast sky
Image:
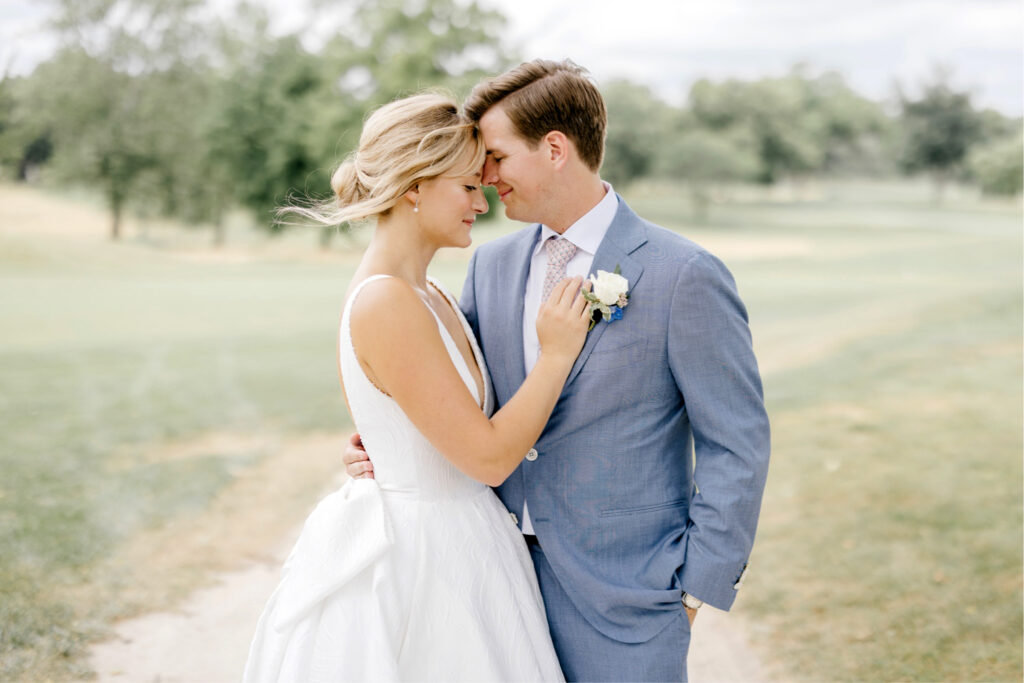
<point>668,44</point>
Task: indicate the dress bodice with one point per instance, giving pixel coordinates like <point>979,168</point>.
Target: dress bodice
<point>404,461</point>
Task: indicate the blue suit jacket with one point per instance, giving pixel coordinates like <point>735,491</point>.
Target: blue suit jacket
<point>612,494</point>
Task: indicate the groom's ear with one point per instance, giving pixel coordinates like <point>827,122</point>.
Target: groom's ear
<point>559,148</point>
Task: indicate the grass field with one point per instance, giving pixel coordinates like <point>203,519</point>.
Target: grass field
<point>168,411</point>
<point>890,542</point>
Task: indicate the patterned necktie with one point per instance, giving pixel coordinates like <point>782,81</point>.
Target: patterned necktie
<point>560,251</point>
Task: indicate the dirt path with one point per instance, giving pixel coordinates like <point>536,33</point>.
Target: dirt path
<point>206,639</point>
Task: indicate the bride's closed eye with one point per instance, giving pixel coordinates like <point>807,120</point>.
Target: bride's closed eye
<point>471,188</point>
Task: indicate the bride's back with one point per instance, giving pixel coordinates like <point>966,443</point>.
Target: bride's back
<point>403,459</point>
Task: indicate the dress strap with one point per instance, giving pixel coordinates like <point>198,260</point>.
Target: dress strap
<point>474,347</point>
<point>346,349</point>
<point>359,288</point>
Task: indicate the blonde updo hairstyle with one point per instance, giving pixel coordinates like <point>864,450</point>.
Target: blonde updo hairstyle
<point>402,144</point>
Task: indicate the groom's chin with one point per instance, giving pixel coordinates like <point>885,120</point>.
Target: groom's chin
<point>513,215</point>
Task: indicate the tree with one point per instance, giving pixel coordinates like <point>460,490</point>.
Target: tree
<point>998,165</point>
<point>117,97</point>
<point>773,114</point>
<point>992,125</point>
<point>938,129</point>
<point>287,115</point>
<point>392,48</point>
<point>852,128</point>
<point>91,110</point>
<point>639,125</point>
<point>798,124</point>
<point>25,140</point>
<point>703,158</point>
<point>259,132</point>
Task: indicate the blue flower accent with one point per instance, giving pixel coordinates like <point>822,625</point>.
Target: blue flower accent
<point>616,314</point>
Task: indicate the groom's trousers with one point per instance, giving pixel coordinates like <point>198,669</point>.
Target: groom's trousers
<point>586,654</point>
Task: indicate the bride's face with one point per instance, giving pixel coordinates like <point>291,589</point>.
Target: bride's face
<point>448,207</point>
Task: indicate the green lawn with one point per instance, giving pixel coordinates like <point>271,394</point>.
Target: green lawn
<point>890,540</point>
<point>108,352</point>
<point>889,333</point>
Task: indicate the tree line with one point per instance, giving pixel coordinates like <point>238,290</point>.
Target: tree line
<point>805,125</point>
<point>167,109</point>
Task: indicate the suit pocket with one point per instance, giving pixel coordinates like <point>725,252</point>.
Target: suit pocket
<point>607,355</point>
<point>640,509</point>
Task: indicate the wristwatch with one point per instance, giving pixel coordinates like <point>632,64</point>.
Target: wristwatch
<point>691,602</point>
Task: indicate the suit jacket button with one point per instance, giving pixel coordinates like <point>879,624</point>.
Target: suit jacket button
<point>531,454</point>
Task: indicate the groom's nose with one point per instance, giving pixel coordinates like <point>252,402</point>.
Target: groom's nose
<point>490,173</point>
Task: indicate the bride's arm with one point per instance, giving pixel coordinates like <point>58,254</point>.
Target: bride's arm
<point>397,341</point>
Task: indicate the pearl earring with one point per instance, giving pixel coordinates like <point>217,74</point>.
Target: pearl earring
<point>416,209</point>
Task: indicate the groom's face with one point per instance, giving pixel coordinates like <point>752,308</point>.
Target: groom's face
<point>519,171</point>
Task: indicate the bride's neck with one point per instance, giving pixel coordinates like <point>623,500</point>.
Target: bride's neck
<point>398,248</point>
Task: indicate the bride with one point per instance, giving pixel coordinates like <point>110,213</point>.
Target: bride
<point>420,573</point>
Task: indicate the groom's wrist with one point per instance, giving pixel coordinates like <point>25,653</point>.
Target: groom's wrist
<point>692,602</point>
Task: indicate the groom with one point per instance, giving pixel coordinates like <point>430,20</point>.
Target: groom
<point>640,500</point>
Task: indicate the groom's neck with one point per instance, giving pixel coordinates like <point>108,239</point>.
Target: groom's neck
<point>576,196</point>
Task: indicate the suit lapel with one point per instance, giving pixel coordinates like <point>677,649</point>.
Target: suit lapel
<point>514,271</point>
<point>625,235</point>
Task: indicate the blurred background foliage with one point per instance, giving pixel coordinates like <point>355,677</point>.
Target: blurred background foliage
<point>170,111</point>
<point>167,110</point>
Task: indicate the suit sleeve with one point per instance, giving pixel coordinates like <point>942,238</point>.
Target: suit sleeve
<point>712,361</point>
<point>467,301</point>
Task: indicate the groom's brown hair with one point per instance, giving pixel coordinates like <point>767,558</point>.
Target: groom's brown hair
<point>545,95</point>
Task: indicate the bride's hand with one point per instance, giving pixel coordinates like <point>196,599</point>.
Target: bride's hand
<point>563,320</point>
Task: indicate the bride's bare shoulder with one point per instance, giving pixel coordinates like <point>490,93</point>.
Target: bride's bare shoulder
<point>386,306</point>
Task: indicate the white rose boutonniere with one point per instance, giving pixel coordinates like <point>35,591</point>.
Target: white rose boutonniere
<point>608,296</point>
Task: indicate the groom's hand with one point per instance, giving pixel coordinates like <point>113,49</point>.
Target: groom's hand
<point>357,462</point>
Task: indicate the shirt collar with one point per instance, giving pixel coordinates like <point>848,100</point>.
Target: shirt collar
<point>587,232</point>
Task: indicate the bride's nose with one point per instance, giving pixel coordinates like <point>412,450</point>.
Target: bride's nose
<point>480,204</point>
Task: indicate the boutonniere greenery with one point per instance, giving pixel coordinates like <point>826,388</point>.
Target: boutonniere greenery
<point>607,297</point>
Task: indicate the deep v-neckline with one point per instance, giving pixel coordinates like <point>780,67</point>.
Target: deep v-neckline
<point>481,385</point>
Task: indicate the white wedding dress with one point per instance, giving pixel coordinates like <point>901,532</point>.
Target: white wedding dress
<point>419,574</point>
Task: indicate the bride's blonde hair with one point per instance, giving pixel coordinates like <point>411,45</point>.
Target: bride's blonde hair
<point>402,144</point>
